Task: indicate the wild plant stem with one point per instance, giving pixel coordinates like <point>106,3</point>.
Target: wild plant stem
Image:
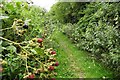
<point>6,29</point>
<point>27,52</point>
<point>9,40</point>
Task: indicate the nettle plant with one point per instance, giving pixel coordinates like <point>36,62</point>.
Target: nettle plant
<point>26,59</point>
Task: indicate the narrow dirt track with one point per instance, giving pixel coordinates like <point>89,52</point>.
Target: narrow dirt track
<point>78,72</point>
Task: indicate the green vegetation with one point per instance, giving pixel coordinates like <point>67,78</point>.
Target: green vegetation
<point>84,38</point>
<point>96,32</point>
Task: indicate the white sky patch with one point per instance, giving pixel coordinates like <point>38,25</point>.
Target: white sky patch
<point>44,3</point>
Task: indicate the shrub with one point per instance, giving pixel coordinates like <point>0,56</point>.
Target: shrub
<point>98,32</point>
<point>25,59</point>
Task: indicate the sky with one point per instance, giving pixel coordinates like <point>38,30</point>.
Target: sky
<point>44,3</point>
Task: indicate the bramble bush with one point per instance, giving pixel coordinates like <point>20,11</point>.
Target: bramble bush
<point>23,46</point>
<point>26,59</point>
<point>24,11</point>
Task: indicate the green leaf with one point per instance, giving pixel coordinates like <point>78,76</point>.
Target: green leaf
<point>11,48</point>
<point>39,51</point>
<point>33,51</point>
<point>18,4</point>
<point>2,48</point>
<point>10,6</point>
<point>1,42</point>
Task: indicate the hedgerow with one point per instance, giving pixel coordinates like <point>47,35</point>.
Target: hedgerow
<point>98,32</point>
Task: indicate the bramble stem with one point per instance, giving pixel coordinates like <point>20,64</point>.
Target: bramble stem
<point>27,52</point>
<point>19,46</point>
<point>9,40</point>
<point>6,29</point>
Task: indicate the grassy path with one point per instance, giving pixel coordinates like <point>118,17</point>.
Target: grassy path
<point>75,63</point>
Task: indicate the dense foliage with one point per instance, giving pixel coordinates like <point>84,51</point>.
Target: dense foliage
<point>25,53</point>
<point>98,32</point>
<point>21,10</point>
<point>26,44</point>
<point>67,12</point>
